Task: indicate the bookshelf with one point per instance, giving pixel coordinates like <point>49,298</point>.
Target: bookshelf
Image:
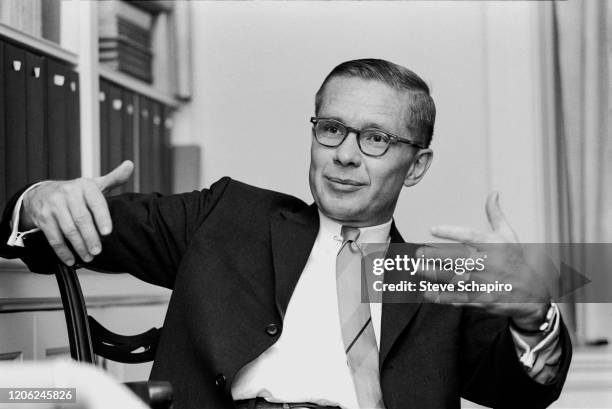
<point>64,50</point>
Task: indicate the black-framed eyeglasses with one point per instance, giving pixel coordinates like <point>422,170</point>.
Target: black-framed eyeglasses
<point>372,141</point>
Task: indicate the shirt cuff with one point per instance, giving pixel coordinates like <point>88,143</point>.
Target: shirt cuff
<point>16,237</point>
<point>540,361</point>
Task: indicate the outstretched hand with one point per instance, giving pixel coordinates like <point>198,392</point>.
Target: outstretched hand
<point>506,262</point>
<point>73,210</point>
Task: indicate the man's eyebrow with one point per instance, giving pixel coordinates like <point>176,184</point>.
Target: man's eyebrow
<point>366,126</point>
<point>335,118</point>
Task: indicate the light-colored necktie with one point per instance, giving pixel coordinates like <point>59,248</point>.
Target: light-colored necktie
<point>356,322</point>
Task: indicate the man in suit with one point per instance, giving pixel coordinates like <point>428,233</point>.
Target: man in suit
<point>261,308</point>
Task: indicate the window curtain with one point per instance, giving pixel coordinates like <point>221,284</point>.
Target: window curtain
<point>579,147</point>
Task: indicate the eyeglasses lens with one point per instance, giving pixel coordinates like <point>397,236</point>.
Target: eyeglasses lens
<point>331,133</point>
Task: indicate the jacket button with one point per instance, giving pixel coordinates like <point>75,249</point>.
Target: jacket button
<point>220,380</point>
<point>272,329</point>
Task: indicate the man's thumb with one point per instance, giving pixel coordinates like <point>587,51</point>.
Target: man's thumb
<point>115,177</point>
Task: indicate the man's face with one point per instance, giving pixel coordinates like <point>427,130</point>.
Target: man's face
<point>347,185</point>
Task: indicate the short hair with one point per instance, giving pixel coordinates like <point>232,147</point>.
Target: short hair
<point>422,107</point>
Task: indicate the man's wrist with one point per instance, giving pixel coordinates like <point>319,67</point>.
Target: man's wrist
<point>535,322</point>
<point>25,221</point>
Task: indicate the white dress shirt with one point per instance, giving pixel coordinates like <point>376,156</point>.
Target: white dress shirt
<point>308,362</point>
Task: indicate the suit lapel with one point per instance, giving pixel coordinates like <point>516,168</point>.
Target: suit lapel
<point>293,235</point>
<point>396,314</point>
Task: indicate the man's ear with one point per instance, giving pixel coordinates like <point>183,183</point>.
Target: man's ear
<point>420,163</point>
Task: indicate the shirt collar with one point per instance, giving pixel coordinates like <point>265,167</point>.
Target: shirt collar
<point>370,234</point>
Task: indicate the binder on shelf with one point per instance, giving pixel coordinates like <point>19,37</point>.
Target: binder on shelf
<point>39,120</point>
<point>56,120</point>
<point>167,165</point>
<point>73,130</point>
<point>36,138</point>
<point>135,127</point>
<point>104,125</point>
<point>15,118</point>
<point>145,146</point>
<point>127,132</point>
<point>3,152</point>
<point>115,128</point>
<point>156,145</point>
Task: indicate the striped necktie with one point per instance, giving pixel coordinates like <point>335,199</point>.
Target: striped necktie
<point>356,322</point>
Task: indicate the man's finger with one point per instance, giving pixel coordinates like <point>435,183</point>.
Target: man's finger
<point>84,223</point>
<point>56,241</point>
<point>497,219</point>
<point>494,212</point>
<point>71,232</point>
<point>460,234</point>
<point>115,177</point>
<point>99,209</point>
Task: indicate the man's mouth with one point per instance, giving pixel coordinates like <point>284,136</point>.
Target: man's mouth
<point>348,184</point>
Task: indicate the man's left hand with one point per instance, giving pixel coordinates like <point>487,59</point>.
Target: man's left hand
<point>506,262</point>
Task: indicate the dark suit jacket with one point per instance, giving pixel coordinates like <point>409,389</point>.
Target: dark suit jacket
<point>233,255</point>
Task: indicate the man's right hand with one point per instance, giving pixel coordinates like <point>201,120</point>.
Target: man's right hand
<point>75,210</point>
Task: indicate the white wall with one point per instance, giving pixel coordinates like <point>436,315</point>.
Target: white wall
<point>257,66</point>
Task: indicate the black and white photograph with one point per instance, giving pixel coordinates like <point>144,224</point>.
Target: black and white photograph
<point>330,204</point>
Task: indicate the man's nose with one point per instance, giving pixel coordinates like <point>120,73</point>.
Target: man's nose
<point>348,153</point>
